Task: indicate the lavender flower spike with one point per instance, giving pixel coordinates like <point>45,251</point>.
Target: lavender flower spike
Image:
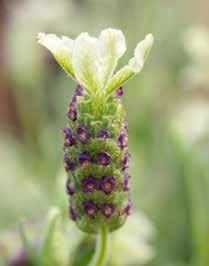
<point>96,138</point>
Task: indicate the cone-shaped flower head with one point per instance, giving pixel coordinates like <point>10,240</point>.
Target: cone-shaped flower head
<point>96,155</point>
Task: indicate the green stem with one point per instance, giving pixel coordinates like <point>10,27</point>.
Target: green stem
<point>101,252</point>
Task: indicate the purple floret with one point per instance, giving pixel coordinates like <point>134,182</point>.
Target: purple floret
<point>84,158</point>
<point>89,184</point>
<point>79,90</point>
<point>69,165</point>
<point>73,104</point>
<point>90,208</point>
<point>69,140</point>
<point>107,184</point>
<point>125,161</point>
<point>104,134</point>
<point>69,190</point>
<point>119,92</point>
<point>108,209</point>
<point>72,115</point>
<point>82,134</point>
<point>126,183</point>
<point>103,158</point>
<point>123,140</point>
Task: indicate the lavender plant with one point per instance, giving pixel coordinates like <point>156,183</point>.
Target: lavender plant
<point>96,156</point>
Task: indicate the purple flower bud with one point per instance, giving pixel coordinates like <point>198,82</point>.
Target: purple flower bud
<point>84,158</point>
<point>119,92</point>
<point>72,115</point>
<point>82,134</point>
<point>103,158</point>
<point>21,259</point>
<point>72,214</point>
<point>90,184</point>
<point>123,140</point>
<point>79,90</point>
<point>126,184</point>
<point>69,190</point>
<point>108,184</point>
<point>69,165</point>
<point>128,209</point>
<point>125,161</point>
<point>90,208</point>
<point>108,209</point>
<point>125,126</point>
<point>69,140</point>
<point>73,104</point>
<point>104,134</point>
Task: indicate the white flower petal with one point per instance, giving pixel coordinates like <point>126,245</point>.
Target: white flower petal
<point>141,53</point>
<point>135,65</point>
<point>86,62</point>
<point>61,48</point>
<point>112,47</point>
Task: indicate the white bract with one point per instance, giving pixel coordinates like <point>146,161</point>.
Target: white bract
<point>92,61</point>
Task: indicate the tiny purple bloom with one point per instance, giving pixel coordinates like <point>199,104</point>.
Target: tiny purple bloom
<point>125,161</point>
<point>108,209</point>
<point>69,190</point>
<point>72,115</point>
<point>123,140</point>
<point>69,165</point>
<point>69,140</point>
<point>108,184</point>
<point>128,209</point>
<point>84,158</point>
<point>119,92</point>
<point>82,134</point>
<point>72,213</point>
<point>79,90</point>
<point>73,104</point>
<point>104,134</point>
<point>103,158</point>
<point>90,208</point>
<point>126,183</point>
<point>90,184</point>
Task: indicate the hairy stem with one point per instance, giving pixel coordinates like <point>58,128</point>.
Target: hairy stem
<point>101,253</point>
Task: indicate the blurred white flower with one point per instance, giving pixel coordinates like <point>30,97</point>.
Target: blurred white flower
<point>92,61</point>
<point>130,244</point>
<point>191,122</point>
<point>196,43</point>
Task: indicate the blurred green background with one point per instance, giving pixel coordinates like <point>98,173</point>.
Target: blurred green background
<point>168,120</point>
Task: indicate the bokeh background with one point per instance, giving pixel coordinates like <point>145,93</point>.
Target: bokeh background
<point>167,111</point>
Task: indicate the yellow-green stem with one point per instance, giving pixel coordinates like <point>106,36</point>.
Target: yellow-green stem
<point>101,253</point>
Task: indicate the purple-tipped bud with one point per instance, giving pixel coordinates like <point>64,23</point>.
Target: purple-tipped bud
<point>90,208</point>
<point>79,90</point>
<point>82,134</point>
<point>128,209</point>
<point>73,104</point>
<point>108,184</point>
<point>72,115</point>
<point>103,158</point>
<point>108,209</point>
<point>69,140</point>
<point>69,190</point>
<point>125,161</point>
<point>89,184</point>
<point>84,158</point>
<point>72,213</point>
<point>104,134</point>
<point>123,140</point>
<point>126,183</point>
<point>69,165</point>
<point>119,92</point>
